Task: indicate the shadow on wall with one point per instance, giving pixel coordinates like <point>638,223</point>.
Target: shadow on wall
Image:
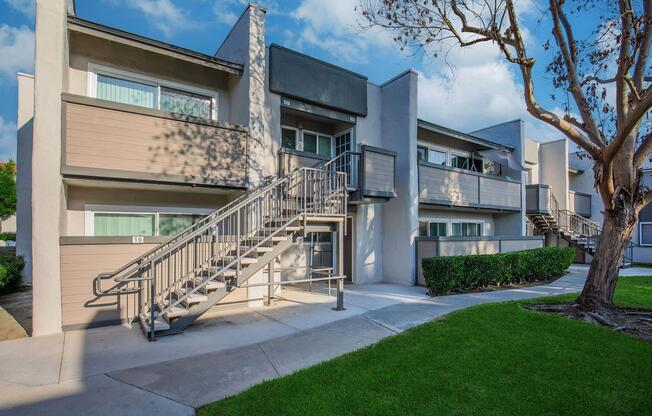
<point>201,153</point>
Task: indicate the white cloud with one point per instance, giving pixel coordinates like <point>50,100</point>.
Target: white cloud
<point>164,15</point>
<point>476,88</point>
<point>334,26</point>
<point>27,7</point>
<point>7,140</point>
<point>16,50</point>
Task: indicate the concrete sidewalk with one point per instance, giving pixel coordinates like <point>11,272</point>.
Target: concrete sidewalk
<point>116,371</point>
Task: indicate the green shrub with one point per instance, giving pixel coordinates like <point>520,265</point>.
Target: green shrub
<point>10,268</point>
<point>8,236</point>
<point>466,273</point>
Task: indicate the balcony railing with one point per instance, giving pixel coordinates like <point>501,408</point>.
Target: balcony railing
<point>371,172</point>
<point>118,141</point>
<point>443,185</point>
<point>580,203</point>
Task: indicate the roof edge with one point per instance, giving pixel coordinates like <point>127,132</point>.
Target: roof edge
<point>460,135</point>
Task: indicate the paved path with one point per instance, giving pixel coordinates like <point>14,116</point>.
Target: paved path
<point>115,371</point>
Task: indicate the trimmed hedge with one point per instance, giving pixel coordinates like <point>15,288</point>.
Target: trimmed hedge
<point>10,268</point>
<point>8,236</point>
<point>465,273</point>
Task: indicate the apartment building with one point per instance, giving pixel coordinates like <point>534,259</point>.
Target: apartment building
<point>156,182</point>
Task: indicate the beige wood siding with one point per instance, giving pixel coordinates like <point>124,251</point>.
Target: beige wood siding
<point>500,193</point>
<point>379,172</point>
<point>446,185</point>
<point>292,161</point>
<point>80,264</point>
<point>457,188</point>
<point>144,145</point>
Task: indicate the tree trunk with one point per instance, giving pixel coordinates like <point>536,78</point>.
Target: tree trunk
<point>599,288</point>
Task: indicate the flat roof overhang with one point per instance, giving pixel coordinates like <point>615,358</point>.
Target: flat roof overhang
<point>460,136</point>
<point>129,39</point>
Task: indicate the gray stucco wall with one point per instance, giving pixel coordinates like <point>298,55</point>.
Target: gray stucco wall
<point>24,172</point>
<point>510,134</point>
<point>400,215</point>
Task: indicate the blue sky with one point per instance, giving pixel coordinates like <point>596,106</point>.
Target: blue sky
<point>484,90</point>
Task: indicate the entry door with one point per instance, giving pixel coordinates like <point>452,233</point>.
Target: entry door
<point>344,143</point>
<point>348,250</point>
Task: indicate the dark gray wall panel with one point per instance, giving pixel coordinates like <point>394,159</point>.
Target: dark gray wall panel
<point>299,76</point>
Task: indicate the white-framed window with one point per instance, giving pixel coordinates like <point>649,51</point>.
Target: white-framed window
<point>464,228</point>
<point>124,221</point>
<point>144,91</point>
<point>446,156</point>
<point>307,141</point>
<point>433,228</point>
<point>645,233</point>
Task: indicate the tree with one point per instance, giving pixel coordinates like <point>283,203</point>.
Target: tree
<point>612,131</point>
<point>7,190</point>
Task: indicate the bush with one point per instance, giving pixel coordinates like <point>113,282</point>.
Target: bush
<point>10,268</point>
<point>7,236</point>
<point>466,273</point>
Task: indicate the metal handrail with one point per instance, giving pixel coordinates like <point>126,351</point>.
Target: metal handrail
<point>346,162</point>
<point>140,261</point>
<point>214,246</point>
<point>306,191</point>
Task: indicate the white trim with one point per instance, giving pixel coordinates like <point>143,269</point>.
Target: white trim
<point>640,234</point>
<point>91,209</point>
<point>468,221</point>
<point>296,136</point>
<point>94,69</point>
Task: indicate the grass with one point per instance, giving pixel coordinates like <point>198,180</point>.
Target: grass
<point>494,359</point>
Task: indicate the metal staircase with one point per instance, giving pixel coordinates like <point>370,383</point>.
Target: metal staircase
<point>575,229</point>
<point>178,281</point>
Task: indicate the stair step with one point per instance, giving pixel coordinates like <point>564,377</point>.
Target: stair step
<point>221,272</point>
<point>159,324</point>
<point>243,260</point>
<point>208,285</point>
<point>192,298</point>
<point>261,238</point>
<point>173,312</point>
<point>290,228</point>
<point>259,249</point>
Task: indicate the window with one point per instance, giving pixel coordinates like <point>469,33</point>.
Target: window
<point>309,142</point>
<point>312,142</point>
<point>173,224</point>
<point>288,138</point>
<point>461,162</point>
<point>146,224</point>
<point>466,229</point>
<point>437,157</point>
<point>438,229</point>
<point>125,91</point>
<point>134,89</point>
<point>422,153</point>
<point>645,233</point>
<point>124,224</point>
<point>189,104</point>
<point>433,228</point>
<point>432,155</point>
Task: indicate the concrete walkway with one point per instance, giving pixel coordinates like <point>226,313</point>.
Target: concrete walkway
<point>115,371</point>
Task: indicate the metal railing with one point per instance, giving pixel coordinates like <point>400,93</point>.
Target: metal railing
<point>347,162</point>
<point>216,246</point>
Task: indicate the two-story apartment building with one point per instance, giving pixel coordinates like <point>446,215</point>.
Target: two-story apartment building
<point>156,182</point>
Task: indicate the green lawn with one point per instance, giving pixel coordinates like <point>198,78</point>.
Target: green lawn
<point>489,359</point>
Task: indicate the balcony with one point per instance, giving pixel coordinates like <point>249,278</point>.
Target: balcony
<point>539,199</point>
<point>371,173</point>
<point>579,203</point>
<point>453,187</point>
<point>107,140</point>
